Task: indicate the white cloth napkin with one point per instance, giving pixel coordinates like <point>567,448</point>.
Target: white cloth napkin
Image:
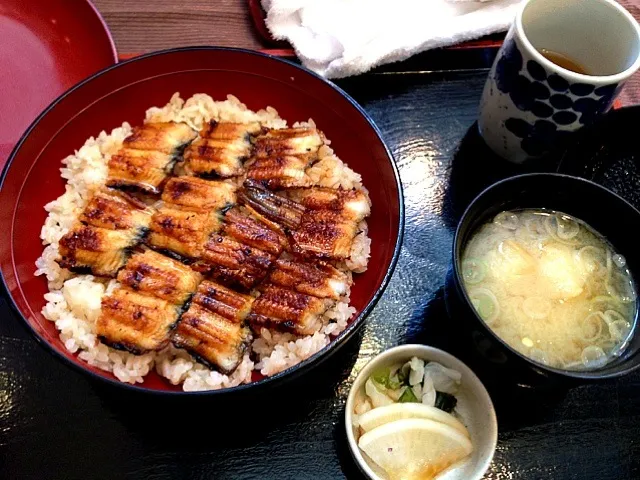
<point>339,38</point>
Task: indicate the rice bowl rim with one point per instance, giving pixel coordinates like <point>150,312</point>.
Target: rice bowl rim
<point>289,373</point>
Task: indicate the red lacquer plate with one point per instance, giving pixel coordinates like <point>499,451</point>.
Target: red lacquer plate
<point>45,48</point>
<point>123,93</point>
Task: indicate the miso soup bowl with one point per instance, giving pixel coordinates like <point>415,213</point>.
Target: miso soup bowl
<point>603,210</point>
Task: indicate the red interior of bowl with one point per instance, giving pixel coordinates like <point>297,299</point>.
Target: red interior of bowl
<point>123,93</point>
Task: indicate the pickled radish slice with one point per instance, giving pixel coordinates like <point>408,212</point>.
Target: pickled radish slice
<point>415,448</point>
<point>400,411</point>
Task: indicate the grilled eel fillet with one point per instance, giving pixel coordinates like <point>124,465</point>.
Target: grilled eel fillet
<point>287,310</point>
<point>152,273</point>
<point>289,141</point>
<point>100,241</point>
<point>181,231</point>
<point>321,222</point>
<point>135,322</point>
<point>352,205</point>
<point>213,329</point>
<point>189,212</point>
<point>331,222</point>
<point>220,150</point>
<point>317,278</point>
<point>140,315</point>
<point>279,212</point>
<point>282,156</point>
<point>242,225</point>
<point>193,192</point>
<point>242,254</point>
<point>147,156</point>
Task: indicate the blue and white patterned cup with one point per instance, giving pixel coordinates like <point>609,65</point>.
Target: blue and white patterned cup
<point>529,103</point>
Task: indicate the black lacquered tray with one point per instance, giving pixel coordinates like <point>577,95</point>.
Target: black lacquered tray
<point>55,423</point>
<point>608,153</point>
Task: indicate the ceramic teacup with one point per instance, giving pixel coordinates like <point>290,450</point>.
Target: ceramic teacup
<point>530,103</point>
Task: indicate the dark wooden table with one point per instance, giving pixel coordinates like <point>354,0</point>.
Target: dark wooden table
<point>57,424</point>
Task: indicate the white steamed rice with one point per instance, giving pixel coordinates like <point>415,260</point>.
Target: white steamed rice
<point>74,301</point>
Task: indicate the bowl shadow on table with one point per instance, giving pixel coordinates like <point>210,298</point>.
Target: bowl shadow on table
<point>475,167</point>
<point>260,412</point>
<point>348,464</point>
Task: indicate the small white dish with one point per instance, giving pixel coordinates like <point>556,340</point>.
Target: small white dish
<point>474,407</point>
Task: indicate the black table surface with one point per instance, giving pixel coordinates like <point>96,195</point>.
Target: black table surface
<point>56,423</point>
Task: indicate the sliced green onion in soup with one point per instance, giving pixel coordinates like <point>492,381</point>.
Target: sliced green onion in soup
<point>593,357</point>
<point>567,227</point>
<point>536,307</point>
<point>610,316</point>
<point>508,220</point>
<point>485,303</point>
<point>473,270</point>
<point>602,301</point>
<point>619,328</point>
<point>539,356</point>
<point>561,228</point>
<point>572,365</point>
<point>608,345</point>
<point>619,260</point>
<point>592,259</point>
<point>591,327</point>
<point>535,227</point>
<point>620,286</point>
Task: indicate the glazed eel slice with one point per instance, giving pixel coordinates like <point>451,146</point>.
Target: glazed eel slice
<point>101,240</point>
<point>289,141</point>
<point>331,222</point>
<point>316,278</point>
<point>320,222</point>
<point>220,150</point>
<point>152,273</point>
<point>148,155</point>
<point>287,310</point>
<point>140,315</point>
<point>241,255</point>
<point>281,157</point>
<point>190,210</point>
<point>135,322</point>
<point>214,329</point>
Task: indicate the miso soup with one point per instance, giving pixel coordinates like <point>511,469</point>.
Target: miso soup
<point>551,287</point>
